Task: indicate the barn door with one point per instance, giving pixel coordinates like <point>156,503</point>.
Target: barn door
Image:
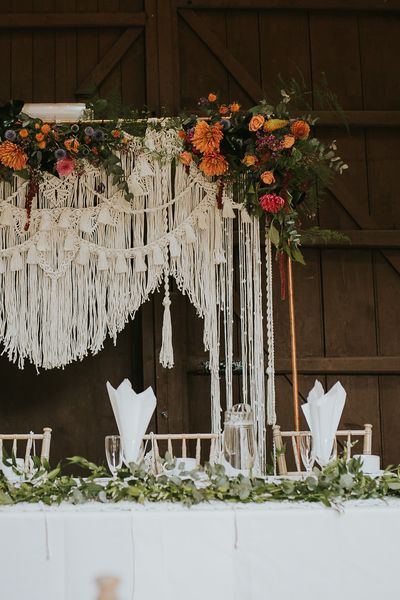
<point>347,295</point>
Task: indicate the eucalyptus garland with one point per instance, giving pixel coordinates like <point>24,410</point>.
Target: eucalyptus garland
<point>340,481</point>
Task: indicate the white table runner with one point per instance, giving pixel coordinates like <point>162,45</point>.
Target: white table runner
<point>212,552</point>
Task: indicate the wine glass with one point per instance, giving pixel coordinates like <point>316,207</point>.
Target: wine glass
<point>306,451</point>
<point>113,453</point>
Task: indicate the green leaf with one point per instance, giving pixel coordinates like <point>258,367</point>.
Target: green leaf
<point>24,173</point>
<point>296,254</point>
<point>274,236</point>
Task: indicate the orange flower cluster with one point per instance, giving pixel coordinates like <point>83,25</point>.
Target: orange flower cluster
<point>13,156</point>
<point>206,139</point>
<point>72,145</point>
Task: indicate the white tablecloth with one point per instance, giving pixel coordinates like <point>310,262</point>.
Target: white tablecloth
<point>208,552</point>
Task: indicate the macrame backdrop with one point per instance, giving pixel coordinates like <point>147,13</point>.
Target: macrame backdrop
<point>91,258</point>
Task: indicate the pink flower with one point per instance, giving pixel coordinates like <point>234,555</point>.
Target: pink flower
<point>272,203</point>
<point>65,166</point>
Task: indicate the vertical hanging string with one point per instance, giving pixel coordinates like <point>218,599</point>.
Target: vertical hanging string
<point>227,292</point>
<point>258,349</point>
<point>243,303</point>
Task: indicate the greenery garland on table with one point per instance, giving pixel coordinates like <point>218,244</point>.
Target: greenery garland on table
<point>271,158</point>
<point>340,481</point>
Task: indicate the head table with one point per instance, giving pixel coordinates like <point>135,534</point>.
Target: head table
<point>214,551</point>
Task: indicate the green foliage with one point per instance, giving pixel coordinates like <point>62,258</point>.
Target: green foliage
<point>340,481</point>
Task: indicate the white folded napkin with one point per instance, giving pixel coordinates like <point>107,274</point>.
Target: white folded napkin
<point>322,412</point>
<point>132,413</point>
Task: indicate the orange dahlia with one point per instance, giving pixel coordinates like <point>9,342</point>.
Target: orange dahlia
<point>213,163</point>
<point>12,156</point>
<point>207,138</point>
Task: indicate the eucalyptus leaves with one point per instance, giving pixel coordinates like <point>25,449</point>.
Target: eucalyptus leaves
<point>340,481</point>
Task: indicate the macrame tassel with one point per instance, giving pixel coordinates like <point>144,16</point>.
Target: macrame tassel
<point>102,262</point>
<point>65,219</point>
<point>69,243</point>
<point>143,167</point>
<point>134,187</point>
<point>202,220</point>
<point>16,261</point>
<point>174,247</point>
<point>167,352</point>
<point>43,242</point>
<point>32,256</point>
<point>85,222</point>
<point>82,257</point>
<point>190,234</point>
<point>120,264</point>
<point>158,256</point>
<point>227,209</point>
<point>6,217</point>
<point>2,265</point>
<point>140,264</point>
<point>45,222</point>
<point>104,216</point>
<point>245,215</point>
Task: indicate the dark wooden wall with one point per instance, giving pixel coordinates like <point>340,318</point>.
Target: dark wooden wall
<point>167,53</point>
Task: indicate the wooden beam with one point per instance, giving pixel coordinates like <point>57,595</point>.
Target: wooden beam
<point>235,68</point>
<point>71,20</point>
<point>357,118</point>
<point>386,6</point>
<point>152,63</point>
<point>108,62</point>
<point>361,238</point>
<point>319,365</point>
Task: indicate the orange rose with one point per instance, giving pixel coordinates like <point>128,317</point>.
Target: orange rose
<point>185,158</point>
<point>223,109</point>
<point>300,130</point>
<point>235,107</point>
<point>267,177</point>
<point>288,141</point>
<point>42,145</point>
<point>39,137</point>
<point>23,133</point>
<point>46,128</point>
<point>249,160</point>
<point>212,97</point>
<point>182,134</point>
<point>256,122</point>
<point>273,124</point>
<point>116,133</point>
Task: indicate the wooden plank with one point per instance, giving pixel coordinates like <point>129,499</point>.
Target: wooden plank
<point>319,5</point>
<point>342,67</point>
<point>247,54</point>
<point>167,57</point>
<point>28,20</point>
<point>321,365</point>
<point>152,66</point>
<point>108,62</point>
<point>65,58</point>
<point>133,64</point>
<point>233,66</point>
<point>87,51</point>
<point>5,57</point>
<point>200,69</point>
<point>361,238</point>
<point>22,59</point>
<point>356,118</point>
<point>43,58</point>
<point>109,85</point>
<point>278,58</point>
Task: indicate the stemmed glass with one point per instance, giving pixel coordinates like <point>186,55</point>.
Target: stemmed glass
<point>113,453</point>
<point>306,451</point>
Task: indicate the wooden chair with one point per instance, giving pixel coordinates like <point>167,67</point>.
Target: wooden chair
<point>30,439</point>
<point>295,436</point>
<point>185,439</point>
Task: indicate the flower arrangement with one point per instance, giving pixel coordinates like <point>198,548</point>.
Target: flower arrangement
<point>29,147</point>
<point>270,157</point>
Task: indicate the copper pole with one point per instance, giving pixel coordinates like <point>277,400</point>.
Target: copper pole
<point>292,317</point>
